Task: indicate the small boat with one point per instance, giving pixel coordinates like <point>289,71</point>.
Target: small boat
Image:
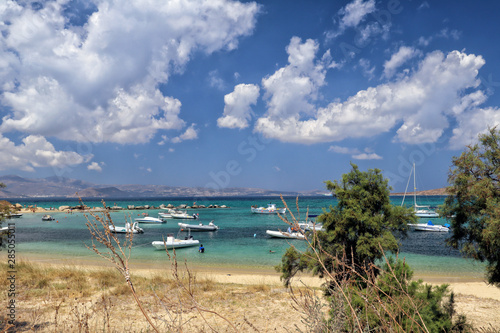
<point>164,215</point>
<point>310,226</point>
<point>283,234</point>
<point>420,211</point>
<point>14,215</point>
<point>271,209</point>
<point>135,229</point>
<point>425,212</point>
<point>149,219</point>
<point>429,226</point>
<point>173,243</point>
<point>183,215</point>
<point>47,218</point>
<point>199,227</point>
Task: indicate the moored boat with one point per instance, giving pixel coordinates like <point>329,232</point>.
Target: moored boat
<point>270,209</point>
<point>283,234</point>
<point>429,226</point>
<point>134,228</point>
<point>183,215</point>
<point>425,212</point>
<point>310,226</point>
<point>173,243</point>
<point>420,211</point>
<point>199,227</point>
<point>47,218</point>
<point>164,215</point>
<point>149,219</point>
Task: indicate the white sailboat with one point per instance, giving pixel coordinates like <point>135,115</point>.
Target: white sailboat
<point>420,211</point>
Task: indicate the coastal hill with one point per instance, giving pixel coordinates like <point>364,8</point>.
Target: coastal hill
<point>438,191</point>
<point>61,187</point>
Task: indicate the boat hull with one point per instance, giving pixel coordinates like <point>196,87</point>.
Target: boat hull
<point>426,214</point>
<point>175,244</point>
<point>282,234</point>
<point>271,209</point>
<point>198,227</point>
<point>184,216</point>
<point>124,230</point>
<point>310,226</point>
<point>427,227</point>
<point>149,219</point>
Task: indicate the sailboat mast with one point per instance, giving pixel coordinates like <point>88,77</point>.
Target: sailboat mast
<point>414,187</point>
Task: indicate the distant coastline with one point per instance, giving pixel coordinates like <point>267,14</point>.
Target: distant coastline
<point>60,187</point>
<point>438,191</point>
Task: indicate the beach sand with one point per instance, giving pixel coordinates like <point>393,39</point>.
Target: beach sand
<point>255,299</point>
<point>479,301</point>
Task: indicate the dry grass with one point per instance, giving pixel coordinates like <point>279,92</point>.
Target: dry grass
<point>75,299</point>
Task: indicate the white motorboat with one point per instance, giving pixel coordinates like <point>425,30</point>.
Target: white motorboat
<point>270,209</point>
<point>183,215</point>
<point>310,226</point>
<point>173,243</point>
<point>429,226</point>
<point>134,228</point>
<point>47,218</point>
<point>14,215</point>
<point>420,211</point>
<point>164,215</point>
<point>149,219</point>
<point>199,227</point>
<point>283,234</point>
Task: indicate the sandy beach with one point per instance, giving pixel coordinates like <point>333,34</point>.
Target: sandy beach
<point>250,292</point>
<point>255,299</point>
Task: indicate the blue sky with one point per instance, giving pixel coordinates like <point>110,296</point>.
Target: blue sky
<point>271,94</point>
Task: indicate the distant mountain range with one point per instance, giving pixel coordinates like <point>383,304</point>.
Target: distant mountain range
<point>19,187</point>
<point>438,191</point>
<point>61,187</point>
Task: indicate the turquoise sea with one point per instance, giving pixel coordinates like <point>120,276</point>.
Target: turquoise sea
<point>241,240</point>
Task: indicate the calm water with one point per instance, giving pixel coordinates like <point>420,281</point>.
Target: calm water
<point>240,241</point>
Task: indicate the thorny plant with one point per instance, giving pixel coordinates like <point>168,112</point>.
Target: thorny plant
<point>389,302</point>
<point>188,289</point>
<point>117,252</point>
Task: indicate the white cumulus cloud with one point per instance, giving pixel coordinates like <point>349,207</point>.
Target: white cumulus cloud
<point>367,156</point>
<point>94,166</point>
<point>191,133</point>
<point>355,153</point>
<point>397,59</point>
<point>420,104</point>
<point>237,109</point>
<point>354,12</point>
<point>36,152</point>
<point>97,81</point>
<point>291,90</point>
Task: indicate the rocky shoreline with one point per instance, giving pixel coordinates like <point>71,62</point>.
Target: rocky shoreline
<point>83,208</point>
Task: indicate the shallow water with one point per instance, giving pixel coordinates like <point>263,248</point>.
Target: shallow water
<point>241,240</point>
